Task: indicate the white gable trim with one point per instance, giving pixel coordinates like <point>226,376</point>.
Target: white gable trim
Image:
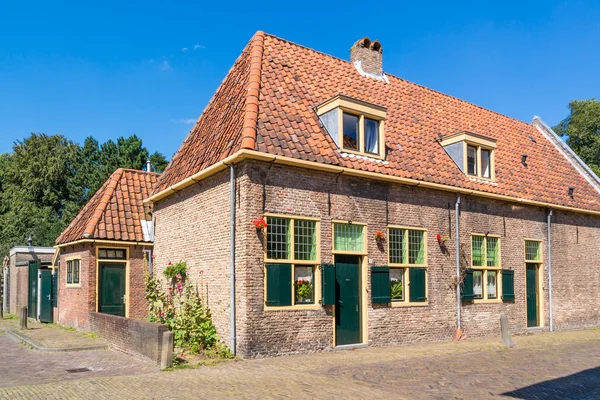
<point>567,152</point>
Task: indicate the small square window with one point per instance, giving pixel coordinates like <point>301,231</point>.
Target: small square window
<point>472,160</point>
<point>350,129</point>
<point>371,136</point>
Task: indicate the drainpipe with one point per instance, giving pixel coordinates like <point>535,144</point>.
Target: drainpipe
<point>457,224</point>
<point>550,268</point>
<point>232,256</point>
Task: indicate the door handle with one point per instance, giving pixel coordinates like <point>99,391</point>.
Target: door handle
<point>341,303</point>
<point>49,297</point>
<point>356,307</point>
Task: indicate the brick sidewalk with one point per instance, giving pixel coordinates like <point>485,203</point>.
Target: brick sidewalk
<point>53,336</point>
<point>544,366</point>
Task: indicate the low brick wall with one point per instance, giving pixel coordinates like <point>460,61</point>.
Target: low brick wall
<point>132,336</point>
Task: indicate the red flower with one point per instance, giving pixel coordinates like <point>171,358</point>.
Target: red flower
<point>439,237</point>
<point>260,223</point>
<point>170,263</point>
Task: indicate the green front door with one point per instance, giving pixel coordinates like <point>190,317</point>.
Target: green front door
<point>112,288</point>
<point>347,306</point>
<point>45,295</point>
<point>32,289</point>
<point>532,295</point>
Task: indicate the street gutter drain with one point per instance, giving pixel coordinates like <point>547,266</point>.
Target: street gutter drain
<point>76,370</point>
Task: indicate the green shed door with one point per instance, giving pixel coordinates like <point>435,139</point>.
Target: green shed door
<point>45,295</point>
<point>32,289</point>
<point>112,289</point>
<point>532,295</point>
<point>347,308</point>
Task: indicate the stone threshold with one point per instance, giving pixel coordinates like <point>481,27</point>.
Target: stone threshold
<point>351,346</point>
<point>21,338</point>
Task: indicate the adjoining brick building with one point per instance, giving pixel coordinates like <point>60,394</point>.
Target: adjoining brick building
<point>394,213</point>
<point>104,250</point>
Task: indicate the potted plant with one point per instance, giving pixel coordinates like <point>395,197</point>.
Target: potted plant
<point>441,239</point>
<point>259,223</point>
<point>304,290</point>
<point>396,289</point>
<point>379,236</point>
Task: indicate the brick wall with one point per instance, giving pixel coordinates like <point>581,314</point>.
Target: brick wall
<point>296,191</point>
<point>132,336</point>
<point>75,303</point>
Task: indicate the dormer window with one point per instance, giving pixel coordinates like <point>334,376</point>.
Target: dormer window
<point>472,153</point>
<point>355,126</point>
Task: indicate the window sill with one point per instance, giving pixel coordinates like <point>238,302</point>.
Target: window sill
<point>294,308</point>
<point>409,304</point>
<point>487,301</point>
<point>73,286</point>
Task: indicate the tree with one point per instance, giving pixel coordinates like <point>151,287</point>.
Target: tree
<point>582,130</point>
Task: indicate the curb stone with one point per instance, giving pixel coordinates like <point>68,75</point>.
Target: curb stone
<point>18,337</point>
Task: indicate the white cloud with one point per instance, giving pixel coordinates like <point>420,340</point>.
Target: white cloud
<point>198,46</point>
<point>165,66</point>
<point>184,49</point>
<point>185,121</point>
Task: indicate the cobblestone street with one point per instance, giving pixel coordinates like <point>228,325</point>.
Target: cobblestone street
<point>544,366</point>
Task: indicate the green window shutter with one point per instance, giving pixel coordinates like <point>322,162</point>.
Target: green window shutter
<point>54,282</point>
<point>508,284</point>
<point>279,285</point>
<point>328,284</point>
<point>417,278</point>
<point>467,286</point>
<point>380,285</point>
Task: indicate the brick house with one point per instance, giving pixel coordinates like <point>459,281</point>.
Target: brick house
<point>394,213</point>
<point>104,249</point>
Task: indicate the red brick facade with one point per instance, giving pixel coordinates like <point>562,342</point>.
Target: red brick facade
<point>194,226</point>
<point>75,302</point>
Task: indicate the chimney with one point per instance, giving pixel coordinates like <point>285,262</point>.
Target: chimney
<point>366,56</point>
<point>148,165</point>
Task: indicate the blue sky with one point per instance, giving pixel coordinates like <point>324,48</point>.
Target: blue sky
<point>116,68</point>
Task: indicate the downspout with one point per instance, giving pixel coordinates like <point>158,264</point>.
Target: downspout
<point>232,256</point>
<point>457,225</point>
<point>550,268</point>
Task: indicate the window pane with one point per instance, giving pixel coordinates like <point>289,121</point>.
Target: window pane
<point>102,253</point>
<point>477,251</point>
<point>485,164</point>
<point>491,282</point>
<point>350,131</point>
<point>532,250</point>
<point>397,253</point>
<point>478,284</point>
<point>69,271</point>
<point>371,136</point>
<point>397,283</point>
<point>492,252</point>
<point>278,238</point>
<point>348,237</point>
<point>111,254</point>
<point>472,160</point>
<point>305,240</point>
<point>303,285</point>
<point>76,271</point>
<point>416,247</point>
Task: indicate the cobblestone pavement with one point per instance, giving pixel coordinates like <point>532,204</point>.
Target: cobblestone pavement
<point>544,366</point>
<point>21,366</point>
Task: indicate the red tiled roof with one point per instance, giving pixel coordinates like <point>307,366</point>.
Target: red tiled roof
<point>115,211</point>
<point>294,79</point>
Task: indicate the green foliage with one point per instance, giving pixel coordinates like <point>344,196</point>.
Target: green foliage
<point>304,289</point>
<point>182,310</point>
<point>582,129</point>
<point>173,270</point>
<point>46,180</point>
<point>396,289</point>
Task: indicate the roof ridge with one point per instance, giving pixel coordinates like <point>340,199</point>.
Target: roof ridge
<point>402,79</point>
<point>140,170</point>
<point>253,91</point>
<point>110,190</point>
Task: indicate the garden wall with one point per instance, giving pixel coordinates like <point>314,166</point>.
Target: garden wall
<point>132,336</point>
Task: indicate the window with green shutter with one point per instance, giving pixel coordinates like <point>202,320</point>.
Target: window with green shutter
<point>407,252</point>
<point>508,284</point>
<point>485,266</point>
<point>380,285</point>
<point>279,285</point>
<point>467,286</point>
<point>293,243</point>
<point>348,238</point>
<point>417,285</point>
<point>328,284</point>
